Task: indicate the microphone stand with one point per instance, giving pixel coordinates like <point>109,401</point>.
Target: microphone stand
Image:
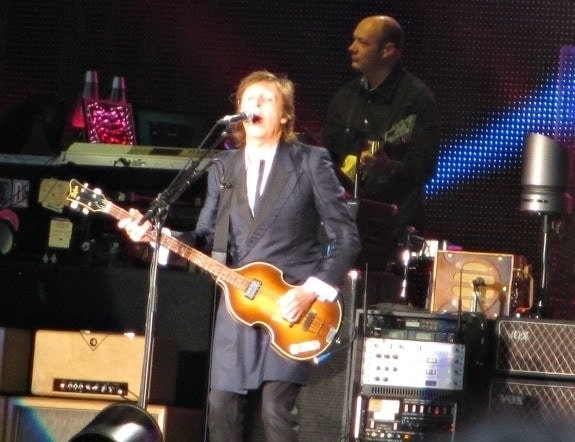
<point>354,202</point>
<point>157,214</point>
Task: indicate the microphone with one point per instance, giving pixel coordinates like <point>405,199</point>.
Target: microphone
<point>478,282</point>
<point>236,118</point>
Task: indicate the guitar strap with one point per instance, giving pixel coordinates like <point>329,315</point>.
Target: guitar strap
<point>221,232</point>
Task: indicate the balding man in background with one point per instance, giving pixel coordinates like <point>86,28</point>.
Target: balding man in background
<point>385,121</point>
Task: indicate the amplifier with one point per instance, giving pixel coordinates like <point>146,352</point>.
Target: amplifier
<point>522,409</point>
<point>404,418</point>
<point>535,347</point>
<point>93,365</point>
<point>416,325</point>
<point>534,400</point>
<point>402,363</point>
<point>482,282</point>
<point>393,321</point>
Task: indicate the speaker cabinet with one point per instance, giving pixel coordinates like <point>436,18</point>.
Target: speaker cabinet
<point>324,405</point>
<point>523,409</point>
<point>84,364</point>
<point>533,399</point>
<point>3,406</point>
<point>41,419</point>
<point>15,353</point>
<point>535,347</point>
<point>480,281</point>
<point>111,298</point>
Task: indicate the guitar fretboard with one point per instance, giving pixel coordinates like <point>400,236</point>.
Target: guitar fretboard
<point>210,265</point>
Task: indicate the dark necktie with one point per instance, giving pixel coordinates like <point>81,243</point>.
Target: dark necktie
<point>259,184</point>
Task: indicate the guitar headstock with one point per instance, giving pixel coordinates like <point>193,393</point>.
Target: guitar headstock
<point>401,131</point>
<point>89,200</point>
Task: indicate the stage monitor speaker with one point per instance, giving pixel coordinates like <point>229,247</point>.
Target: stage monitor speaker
<point>41,419</point>
<point>15,354</point>
<point>481,281</point>
<point>535,347</point>
<point>523,409</point>
<point>324,405</point>
<point>121,422</point>
<point>94,365</point>
<point>537,400</point>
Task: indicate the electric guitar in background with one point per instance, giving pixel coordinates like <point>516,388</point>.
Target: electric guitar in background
<point>251,292</point>
<point>398,134</point>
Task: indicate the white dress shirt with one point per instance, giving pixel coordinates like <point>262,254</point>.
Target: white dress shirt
<point>253,156</point>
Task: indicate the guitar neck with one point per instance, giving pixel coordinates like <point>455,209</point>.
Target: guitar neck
<point>210,265</point>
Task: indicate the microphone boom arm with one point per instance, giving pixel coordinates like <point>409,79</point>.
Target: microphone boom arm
<point>189,174</point>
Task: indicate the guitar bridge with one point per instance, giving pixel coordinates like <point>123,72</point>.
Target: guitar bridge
<point>331,335</point>
<point>253,288</point>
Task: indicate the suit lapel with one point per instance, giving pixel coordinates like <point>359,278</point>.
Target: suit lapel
<point>240,188</point>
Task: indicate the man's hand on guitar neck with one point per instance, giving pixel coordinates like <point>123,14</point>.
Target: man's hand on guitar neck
<point>143,232</point>
<point>135,231</point>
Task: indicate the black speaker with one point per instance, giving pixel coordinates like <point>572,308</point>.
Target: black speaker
<point>3,406</point>
<point>15,355</point>
<point>536,399</point>
<point>324,405</point>
<point>113,299</point>
<point>535,347</point>
<point>128,420</point>
<point>525,409</point>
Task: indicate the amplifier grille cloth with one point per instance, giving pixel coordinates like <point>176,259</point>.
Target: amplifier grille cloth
<point>539,348</point>
<point>541,401</point>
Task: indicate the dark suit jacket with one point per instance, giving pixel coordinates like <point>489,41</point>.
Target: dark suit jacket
<point>301,212</point>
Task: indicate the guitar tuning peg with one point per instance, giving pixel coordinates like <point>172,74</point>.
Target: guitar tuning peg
<point>98,191</point>
<point>74,204</point>
<point>85,211</point>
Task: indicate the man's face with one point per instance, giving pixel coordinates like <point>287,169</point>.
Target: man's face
<point>364,49</point>
<point>264,100</point>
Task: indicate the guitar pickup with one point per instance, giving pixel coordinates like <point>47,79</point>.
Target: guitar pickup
<point>304,347</point>
<point>310,317</point>
<point>253,288</point>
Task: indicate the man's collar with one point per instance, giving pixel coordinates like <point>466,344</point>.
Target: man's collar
<point>254,155</point>
<point>387,86</point>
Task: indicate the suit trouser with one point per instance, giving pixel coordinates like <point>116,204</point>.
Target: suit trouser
<point>227,413</point>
